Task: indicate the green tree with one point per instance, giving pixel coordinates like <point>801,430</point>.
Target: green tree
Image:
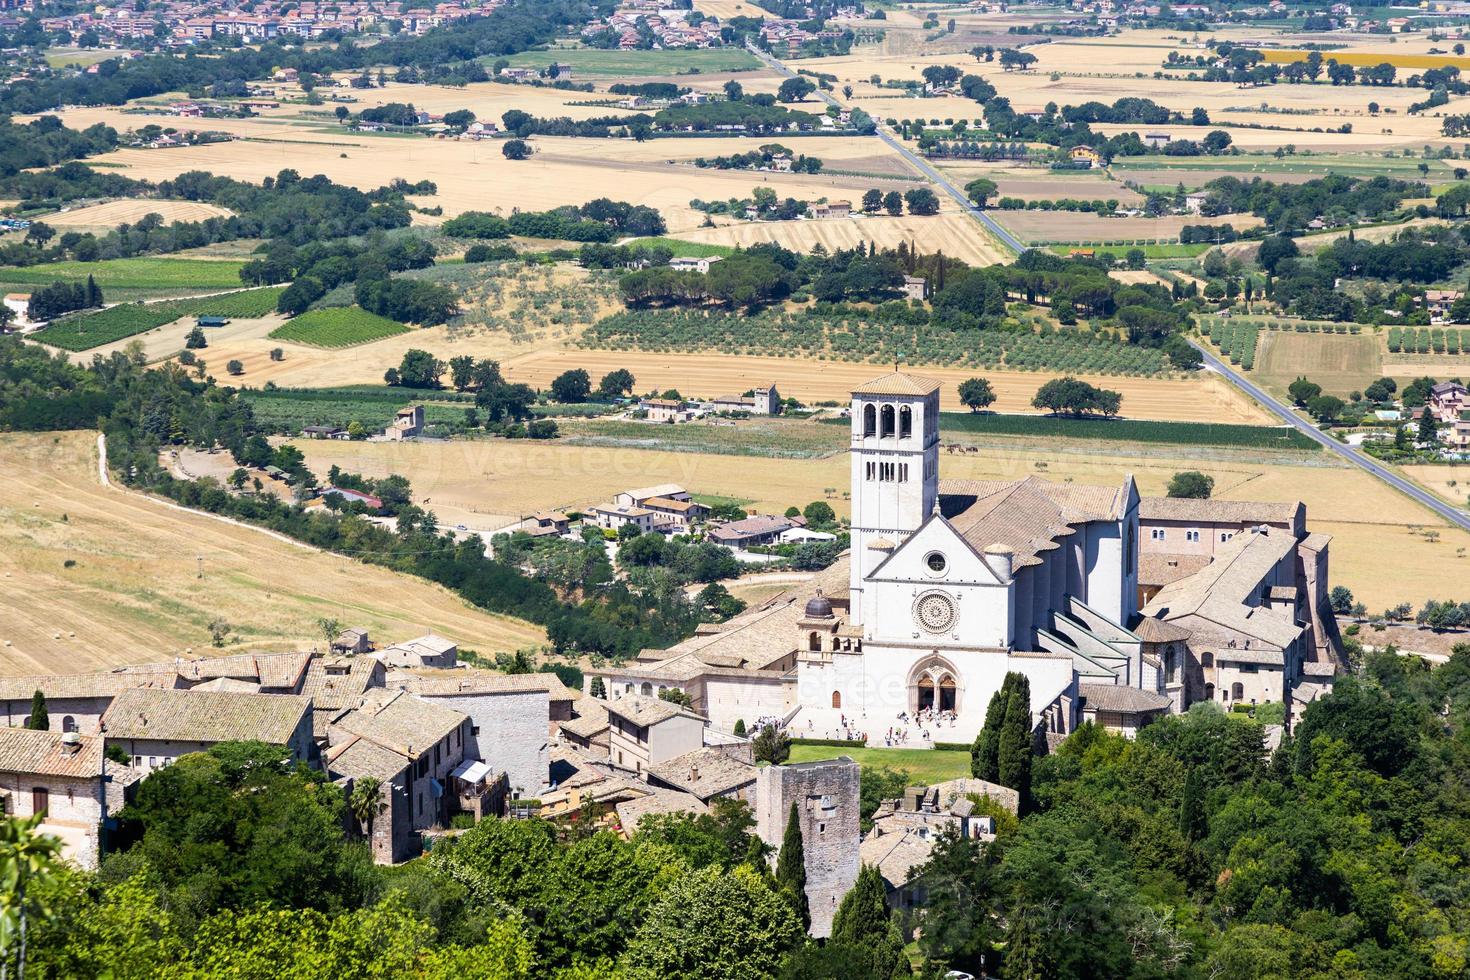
<point>515,149</point>
<point>1026,954</point>
<point>819,514</point>
<point>981,190</point>
<point>1428,427</point>
<point>772,745</point>
<point>196,340</point>
<point>1191,484</point>
<point>1302,391</point>
<point>40,718</point>
<point>893,203</point>
<point>1192,820</point>
<point>364,803</point>
<point>976,393</point>
<point>29,862</point>
<point>675,695</point>
<point>791,867</point>
<point>616,383</point>
<point>864,924</point>
<point>872,200</point>
<point>985,753</point>
<point>1013,755</point>
<point>571,387</point>
<point>740,727</point>
<point>716,924</point>
<point>795,90</point>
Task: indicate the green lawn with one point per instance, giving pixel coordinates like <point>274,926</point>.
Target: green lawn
<point>1174,251</point>
<point>84,331</point>
<point>613,64</point>
<point>924,766</point>
<point>140,273</point>
<point>337,326</point>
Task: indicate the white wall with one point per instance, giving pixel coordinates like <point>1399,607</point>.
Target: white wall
<point>509,731</point>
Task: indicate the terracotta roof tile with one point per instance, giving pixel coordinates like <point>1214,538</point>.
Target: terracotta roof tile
<point>204,716</point>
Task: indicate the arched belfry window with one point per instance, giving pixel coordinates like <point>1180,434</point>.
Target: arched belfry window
<point>870,420</point>
<point>886,426</point>
<point>905,422</point>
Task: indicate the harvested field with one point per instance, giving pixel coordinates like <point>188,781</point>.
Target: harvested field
<point>1398,59</point>
<point>114,213</point>
<point>1035,227</point>
<point>133,593</point>
<point>958,235</point>
<point>1202,399</point>
<point>1042,185</point>
<point>590,63</point>
<point>1450,480</point>
<point>1339,363</point>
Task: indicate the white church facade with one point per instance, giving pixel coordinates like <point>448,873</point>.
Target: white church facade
<point>947,587</point>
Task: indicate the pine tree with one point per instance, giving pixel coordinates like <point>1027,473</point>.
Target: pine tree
<point>984,754</point>
<point>40,718</point>
<point>1013,757</point>
<point>598,688</point>
<point>864,923</point>
<point>791,867</point>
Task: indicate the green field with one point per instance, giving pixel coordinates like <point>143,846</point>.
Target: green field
<point>289,410</point>
<point>601,63</point>
<point>1126,430</point>
<point>924,766</point>
<point>1174,251</point>
<point>143,273</point>
<point>337,326</point>
<point>1263,165</point>
<point>683,249</point>
<point>88,330</point>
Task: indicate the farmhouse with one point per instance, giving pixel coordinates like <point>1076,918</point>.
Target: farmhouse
<point>758,530</point>
<point>75,702</point>
<point>698,264</point>
<point>916,287</point>
<point>323,432</point>
<point>19,304</point>
<point>666,410</point>
<point>615,516</point>
<point>407,423</point>
<point>1084,156</point>
<point>832,209</point>
<point>426,651</point>
<point>546,523</point>
<point>761,401</point>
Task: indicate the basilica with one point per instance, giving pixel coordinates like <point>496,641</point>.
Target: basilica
<point>950,585</point>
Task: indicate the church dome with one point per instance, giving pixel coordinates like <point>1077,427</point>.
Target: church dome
<point>818,607</point>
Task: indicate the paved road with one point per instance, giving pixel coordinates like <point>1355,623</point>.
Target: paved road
<point>919,163</point>
<point>1358,458</point>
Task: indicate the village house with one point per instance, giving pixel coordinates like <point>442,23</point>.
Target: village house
<point>66,777</point>
<point>666,410</point>
<point>588,728</point>
<point>546,524</point>
<point>75,702</point>
<point>615,516</point>
<point>154,727</point>
<point>354,639</point>
<point>426,651</point>
<point>762,529</point>
<point>832,209</point>
<point>707,773</point>
<point>645,732</point>
<point>916,287</point>
<point>512,717</point>
<point>700,263</point>
<point>407,423</point>
<point>906,829</point>
<point>761,401</point>
<point>411,746</point>
<point>335,683</point>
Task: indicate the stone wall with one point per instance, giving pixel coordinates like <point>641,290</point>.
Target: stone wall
<point>509,731</point>
<point>826,797</point>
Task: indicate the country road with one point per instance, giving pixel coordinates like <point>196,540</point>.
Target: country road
<point>918,163</point>
<point>1362,460</point>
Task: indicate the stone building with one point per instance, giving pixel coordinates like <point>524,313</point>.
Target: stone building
<point>827,803</point>
<point>75,702</point>
<point>66,777</point>
<point>644,732</point>
<point>155,727</point>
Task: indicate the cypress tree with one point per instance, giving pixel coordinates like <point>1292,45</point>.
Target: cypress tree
<point>1192,823</point>
<point>791,867</point>
<point>1013,757</point>
<point>864,923</point>
<point>598,688</point>
<point>1026,955</point>
<point>740,726</point>
<point>40,718</point>
<point>984,754</point>
<point>94,292</point>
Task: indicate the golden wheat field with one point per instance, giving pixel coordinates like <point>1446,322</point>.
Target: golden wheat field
<point>958,235</point>
<point>115,576</point>
<point>113,213</point>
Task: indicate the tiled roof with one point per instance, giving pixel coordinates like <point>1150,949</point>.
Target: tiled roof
<point>631,812</point>
<point>98,684</point>
<point>704,772</point>
<point>657,490</point>
<point>1152,630</point>
<point>278,670</point>
<point>899,383</point>
<point>1028,515</point>
<point>591,719</point>
<point>1121,698</point>
<point>442,683</point>
<point>361,758</point>
<point>1163,569</point>
<point>1221,592</point>
<point>400,722</point>
<point>1217,511</point>
<point>204,716</point>
<point>331,691</point>
<point>41,753</point>
<point>647,711</point>
<point>895,854</point>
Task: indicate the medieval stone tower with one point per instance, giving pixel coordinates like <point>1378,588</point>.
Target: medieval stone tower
<point>829,810</point>
<point>895,469</point>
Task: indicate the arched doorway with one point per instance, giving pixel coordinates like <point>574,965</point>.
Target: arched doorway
<point>946,693</point>
<point>813,641</point>
<point>1237,691</point>
<point>926,693</point>
<point>1209,692</point>
<point>836,699</point>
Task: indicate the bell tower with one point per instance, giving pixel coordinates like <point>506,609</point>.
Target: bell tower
<point>895,469</point>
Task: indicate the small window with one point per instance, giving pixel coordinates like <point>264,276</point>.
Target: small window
<point>1191,535</point>
<point>821,828</point>
<point>1157,534</point>
<point>936,562</point>
<point>1226,536</point>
